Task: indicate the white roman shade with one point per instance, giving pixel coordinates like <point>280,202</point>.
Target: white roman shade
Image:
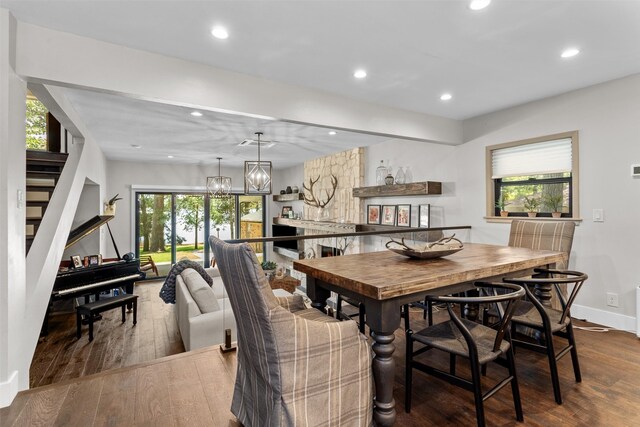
<point>532,159</point>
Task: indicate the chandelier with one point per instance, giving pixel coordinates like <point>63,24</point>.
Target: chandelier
<point>257,175</point>
<point>218,186</point>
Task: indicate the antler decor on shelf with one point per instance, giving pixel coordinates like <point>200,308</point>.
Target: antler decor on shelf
<point>312,200</point>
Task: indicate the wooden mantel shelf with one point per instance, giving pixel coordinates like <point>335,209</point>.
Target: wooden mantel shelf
<point>426,188</point>
<point>326,226</point>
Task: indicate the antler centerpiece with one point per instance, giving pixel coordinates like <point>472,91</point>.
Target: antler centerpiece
<point>314,200</point>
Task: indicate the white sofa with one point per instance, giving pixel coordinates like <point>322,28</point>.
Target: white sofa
<point>200,329</point>
<point>203,329</point>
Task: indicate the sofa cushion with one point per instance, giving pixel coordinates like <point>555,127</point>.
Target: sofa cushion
<point>200,291</point>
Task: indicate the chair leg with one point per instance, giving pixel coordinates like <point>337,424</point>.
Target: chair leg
<point>515,390</point>
<point>477,391</point>
<point>430,312</point>
<point>574,353</point>
<point>339,308</point>
<point>408,375</point>
<point>452,363</point>
<point>361,317</point>
<point>553,367</point>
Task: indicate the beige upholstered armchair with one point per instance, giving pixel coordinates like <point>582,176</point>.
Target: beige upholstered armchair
<point>296,366</point>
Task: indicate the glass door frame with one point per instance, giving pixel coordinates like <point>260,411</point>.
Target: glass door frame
<point>207,218</point>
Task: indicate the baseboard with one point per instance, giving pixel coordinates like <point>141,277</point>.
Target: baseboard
<point>8,390</point>
<point>604,318</point>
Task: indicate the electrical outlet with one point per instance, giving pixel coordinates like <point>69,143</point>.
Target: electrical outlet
<point>612,299</point>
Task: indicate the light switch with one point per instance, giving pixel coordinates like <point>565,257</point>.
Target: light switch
<point>598,215</point>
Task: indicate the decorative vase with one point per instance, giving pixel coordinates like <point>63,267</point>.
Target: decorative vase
<point>289,190</point>
<point>400,178</point>
<point>556,214</point>
<point>282,192</point>
<point>295,189</point>
<point>532,214</point>
<point>504,213</point>
<point>388,180</point>
<point>109,209</point>
<point>381,173</point>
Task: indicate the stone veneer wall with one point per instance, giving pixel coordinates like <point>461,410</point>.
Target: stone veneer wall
<point>348,168</point>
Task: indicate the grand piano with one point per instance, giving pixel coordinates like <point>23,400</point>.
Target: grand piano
<point>93,279</point>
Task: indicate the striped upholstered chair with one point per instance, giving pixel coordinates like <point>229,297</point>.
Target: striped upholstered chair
<point>549,235</point>
<point>296,366</point>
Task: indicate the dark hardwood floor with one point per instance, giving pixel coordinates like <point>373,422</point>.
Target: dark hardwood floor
<point>60,356</point>
<point>195,388</point>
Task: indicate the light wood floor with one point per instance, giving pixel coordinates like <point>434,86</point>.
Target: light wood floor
<point>195,388</point>
<point>59,356</point>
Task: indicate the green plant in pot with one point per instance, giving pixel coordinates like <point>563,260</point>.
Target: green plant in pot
<point>269,267</point>
<point>555,203</point>
<point>531,205</point>
<point>501,204</point>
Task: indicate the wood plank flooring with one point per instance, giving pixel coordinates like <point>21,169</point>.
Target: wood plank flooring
<point>195,388</point>
<point>60,356</point>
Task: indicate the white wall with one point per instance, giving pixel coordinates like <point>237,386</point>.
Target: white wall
<point>426,162</point>
<point>121,176</point>
<point>89,206</point>
<point>607,117</point>
<point>13,302</point>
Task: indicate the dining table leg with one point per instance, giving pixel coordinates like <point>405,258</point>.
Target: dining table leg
<point>383,319</point>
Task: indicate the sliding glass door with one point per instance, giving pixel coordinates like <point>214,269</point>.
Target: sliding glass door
<point>172,226</point>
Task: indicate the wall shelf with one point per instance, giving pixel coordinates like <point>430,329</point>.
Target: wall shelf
<point>426,188</point>
<point>292,197</point>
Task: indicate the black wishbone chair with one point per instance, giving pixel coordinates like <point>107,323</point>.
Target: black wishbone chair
<point>549,321</point>
<point>478,343</point>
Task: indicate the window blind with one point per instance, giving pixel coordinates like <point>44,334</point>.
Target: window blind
<point>532,159</point>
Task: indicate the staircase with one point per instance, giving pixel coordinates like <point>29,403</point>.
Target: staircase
<point>43,171</point>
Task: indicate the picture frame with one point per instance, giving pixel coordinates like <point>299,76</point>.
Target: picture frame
<point>403,216</point>
<point>94,260</point>
<point>388,216</point>
<point>286,210</point>
<point>424,216</point>
<point>373,214</point>
<point>76,261</point>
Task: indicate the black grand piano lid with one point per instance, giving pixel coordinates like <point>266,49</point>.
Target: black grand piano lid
<point>87,228</point>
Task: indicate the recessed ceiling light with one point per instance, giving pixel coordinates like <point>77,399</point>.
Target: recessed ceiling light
<point>219,33</point>
<point>135,146</point>
<point>332,132</point>
<point>170,157</point>
<point>445,97</point>
<point>568,53</point>
<point>360,74</point>
<point>479,4</point>
<point>196,114</point>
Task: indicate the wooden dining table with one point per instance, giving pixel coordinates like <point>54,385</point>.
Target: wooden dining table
<point>385,281</point>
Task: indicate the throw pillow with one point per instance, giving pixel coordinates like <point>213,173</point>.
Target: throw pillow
<point>200,291</point>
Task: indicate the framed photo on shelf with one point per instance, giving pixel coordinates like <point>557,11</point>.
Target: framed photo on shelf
<point>388,215</point>
<point>94,260</point>
<point>403,216</point>
<point>373,214</point>
<point>424,216</point>
<point>286,210</point>
<point>76,261</point>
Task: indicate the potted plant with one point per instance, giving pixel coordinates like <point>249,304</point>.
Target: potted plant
<point>110,206</point>
<point>269,267</point>
<point>531,204</point>
<point>500,204</point>
<point>554,202</point>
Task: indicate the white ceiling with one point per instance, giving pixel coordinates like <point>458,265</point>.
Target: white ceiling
<point>413,51</point>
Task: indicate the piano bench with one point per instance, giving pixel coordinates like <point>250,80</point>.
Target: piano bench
<point>97,307</point>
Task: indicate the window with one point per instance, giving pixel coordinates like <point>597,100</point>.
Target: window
<point>536,175</point>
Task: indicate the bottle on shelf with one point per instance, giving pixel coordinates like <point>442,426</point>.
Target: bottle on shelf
<point>400,177</point>
<point>381,173</point>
